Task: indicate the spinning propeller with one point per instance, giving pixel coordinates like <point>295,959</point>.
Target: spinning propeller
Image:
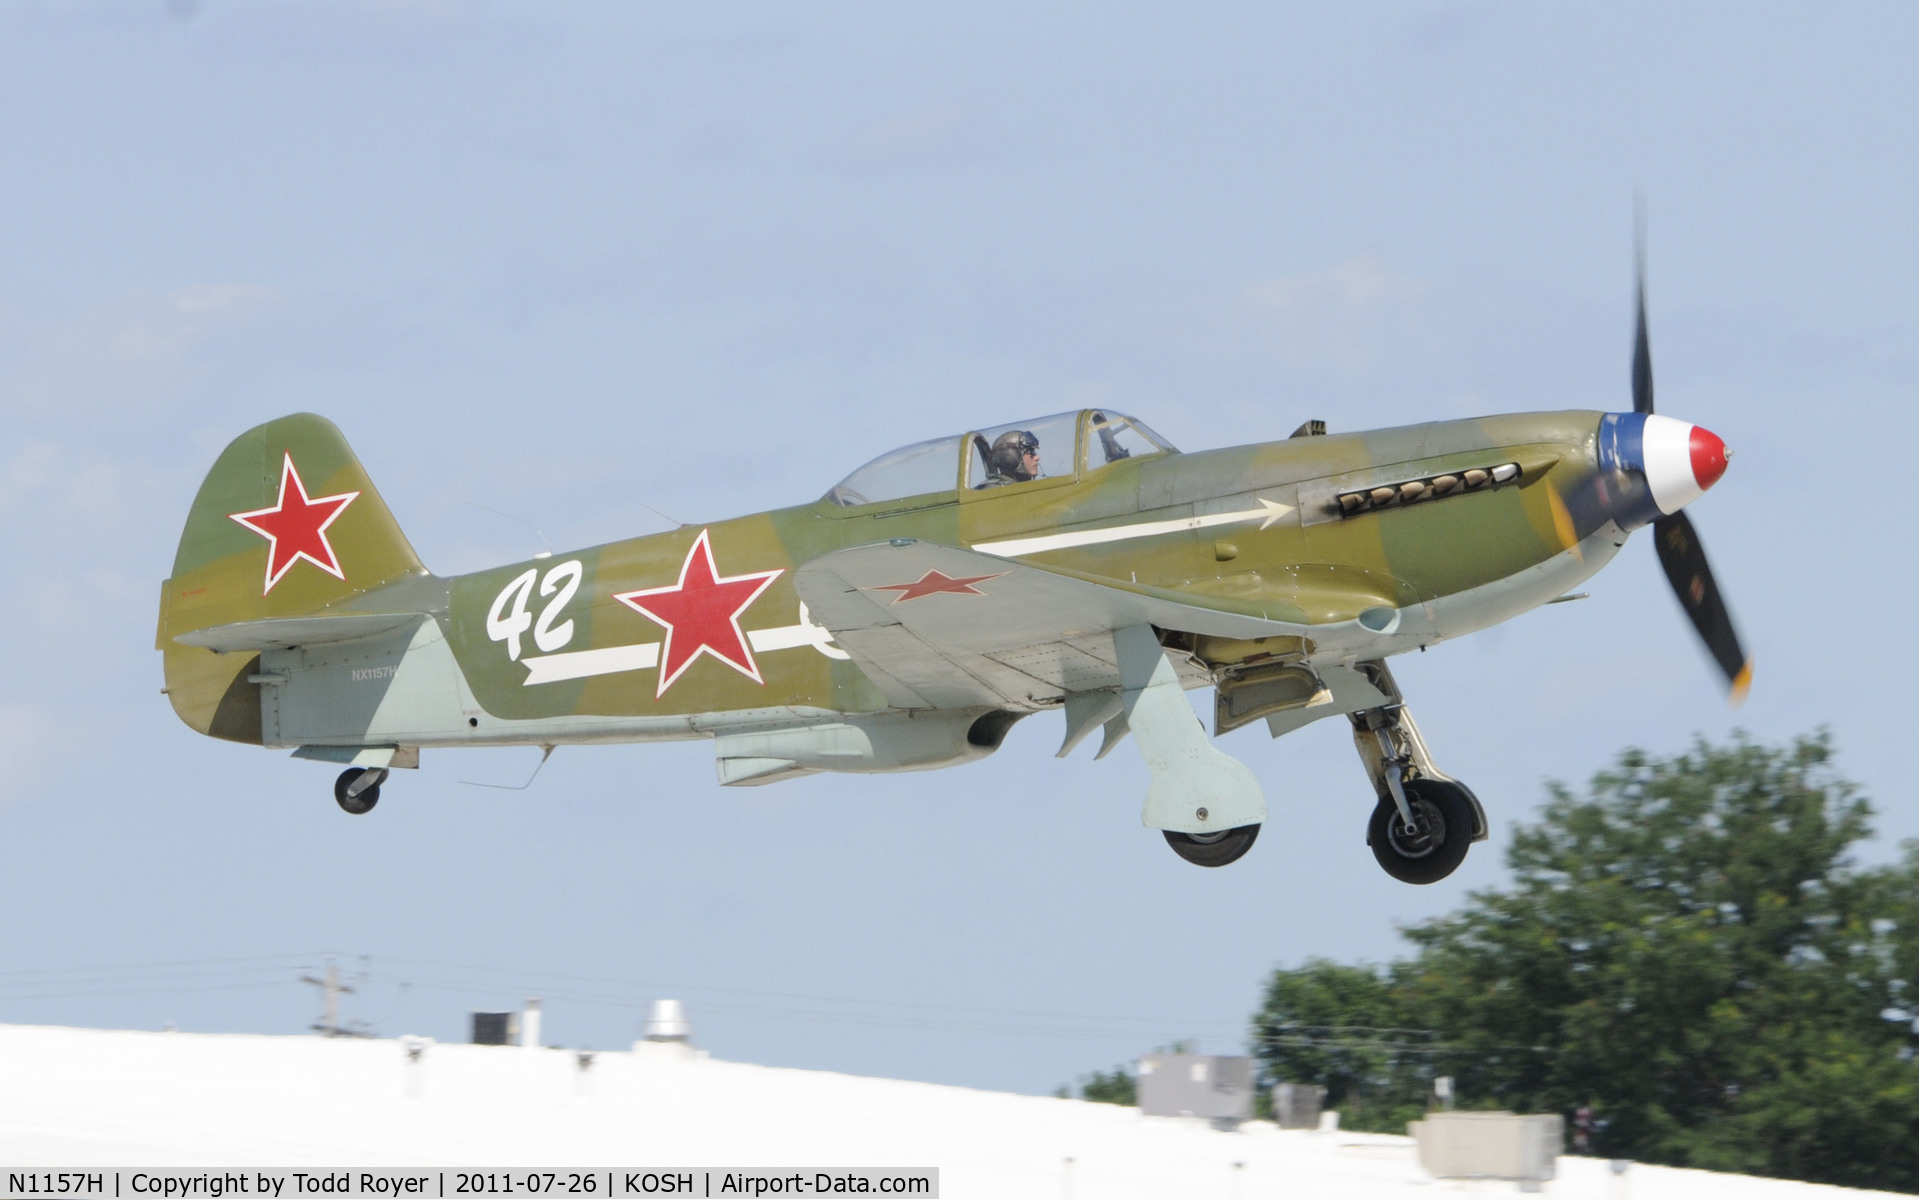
<point>1680,553</point>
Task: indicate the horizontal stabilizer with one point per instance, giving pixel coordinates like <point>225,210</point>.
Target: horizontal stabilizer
<point>278,633</point>
<point>364,756</point>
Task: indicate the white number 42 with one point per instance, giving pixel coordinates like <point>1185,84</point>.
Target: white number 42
<point>509,618</point>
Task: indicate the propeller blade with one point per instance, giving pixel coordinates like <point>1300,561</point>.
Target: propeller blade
<point>1691,577</point>
<point>1641,346</point>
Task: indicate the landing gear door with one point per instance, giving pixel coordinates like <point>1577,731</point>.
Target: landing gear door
<point>1350,691</point>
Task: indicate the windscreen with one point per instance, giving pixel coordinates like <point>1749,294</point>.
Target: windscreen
<point>1113,436</point>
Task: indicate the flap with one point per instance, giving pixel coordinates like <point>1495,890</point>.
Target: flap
<point>281,632</point>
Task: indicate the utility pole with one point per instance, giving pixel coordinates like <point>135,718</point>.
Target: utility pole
<point>330,987</point>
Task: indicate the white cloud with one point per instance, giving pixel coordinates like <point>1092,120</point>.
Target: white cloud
<point>30,745</point>
<point>97,529</point>
<point>230,298</point>
<point>942,135</point>
<point>910,132</point>
<point>68,491</point>
<point>1343,317</point>
<point>1350,286</point>
<point>98,532</point>
<point>134,352</point>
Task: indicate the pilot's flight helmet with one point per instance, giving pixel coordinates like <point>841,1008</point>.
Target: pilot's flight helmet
<point>1008,449</point>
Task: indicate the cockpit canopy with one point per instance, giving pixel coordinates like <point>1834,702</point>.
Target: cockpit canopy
<point>1064,444</point>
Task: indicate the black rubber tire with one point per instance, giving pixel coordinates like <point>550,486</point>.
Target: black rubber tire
<point>1445,820</point>
<point>358,805</point>
<point>1213,849</point>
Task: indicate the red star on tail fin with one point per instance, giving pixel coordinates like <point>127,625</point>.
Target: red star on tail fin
<point>295,527</point>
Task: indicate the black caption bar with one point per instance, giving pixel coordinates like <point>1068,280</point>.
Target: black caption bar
<point>754,1182</point>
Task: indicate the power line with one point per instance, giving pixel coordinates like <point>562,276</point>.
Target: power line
<point>153,966</point>
<point>655,985</point>
<point>273,970</point>
<point>147,990</point>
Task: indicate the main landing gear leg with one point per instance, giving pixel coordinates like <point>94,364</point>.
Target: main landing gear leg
<point>1206,803</point>
<point>1424,820</point>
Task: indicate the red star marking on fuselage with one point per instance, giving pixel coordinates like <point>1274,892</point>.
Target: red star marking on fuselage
<point>932,584</point>
<point>701,614</point>
<point>295,527</point>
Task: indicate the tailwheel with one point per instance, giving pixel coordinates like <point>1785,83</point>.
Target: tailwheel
<point>357,789</point>
<point>1436,844</point>
<point>1213,849</point>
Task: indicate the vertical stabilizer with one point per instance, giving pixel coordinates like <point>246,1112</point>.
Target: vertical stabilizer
<point>286,524</point>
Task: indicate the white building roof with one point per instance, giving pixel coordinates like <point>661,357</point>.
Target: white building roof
<point>89,1098</point>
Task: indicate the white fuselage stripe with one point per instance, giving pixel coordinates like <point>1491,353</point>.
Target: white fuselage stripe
<point>611,660</point>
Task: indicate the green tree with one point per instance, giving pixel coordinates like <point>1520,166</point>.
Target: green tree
<point>1351,1030</point>
<point>1690,950</point>
<point>1116,1086</point>
<point>1104,1087</point>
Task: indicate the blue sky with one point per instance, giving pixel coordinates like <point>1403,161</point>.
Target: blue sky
<point>579,264</point>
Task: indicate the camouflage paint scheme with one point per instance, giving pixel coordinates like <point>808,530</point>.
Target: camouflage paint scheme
<point>1312,570</point>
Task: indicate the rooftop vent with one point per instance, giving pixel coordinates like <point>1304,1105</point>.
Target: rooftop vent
<point>668,1022</point>
<point>496,1028</point>
<point>1216,1087</point>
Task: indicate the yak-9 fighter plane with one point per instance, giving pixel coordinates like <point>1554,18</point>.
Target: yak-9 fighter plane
<point>907,618</point>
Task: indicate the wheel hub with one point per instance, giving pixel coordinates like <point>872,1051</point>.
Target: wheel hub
<point>1427,834</point>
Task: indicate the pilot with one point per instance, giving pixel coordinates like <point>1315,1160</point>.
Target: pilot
<point>1014,458</point>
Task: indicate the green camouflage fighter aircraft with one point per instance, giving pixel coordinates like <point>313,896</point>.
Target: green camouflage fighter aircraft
<point>907,618</point>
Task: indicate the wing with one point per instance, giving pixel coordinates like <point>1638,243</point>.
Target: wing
<point>939,627</point>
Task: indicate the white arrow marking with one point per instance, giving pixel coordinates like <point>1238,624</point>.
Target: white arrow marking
<point>1268,512</point>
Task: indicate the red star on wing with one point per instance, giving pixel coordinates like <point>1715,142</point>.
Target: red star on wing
<point>701,614</point>
<point>931,584</point>
<point>295,527</point>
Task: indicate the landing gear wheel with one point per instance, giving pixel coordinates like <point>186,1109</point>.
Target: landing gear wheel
<point>1213,849</point>
<point>361,802</point>
<point>1442,832</point>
